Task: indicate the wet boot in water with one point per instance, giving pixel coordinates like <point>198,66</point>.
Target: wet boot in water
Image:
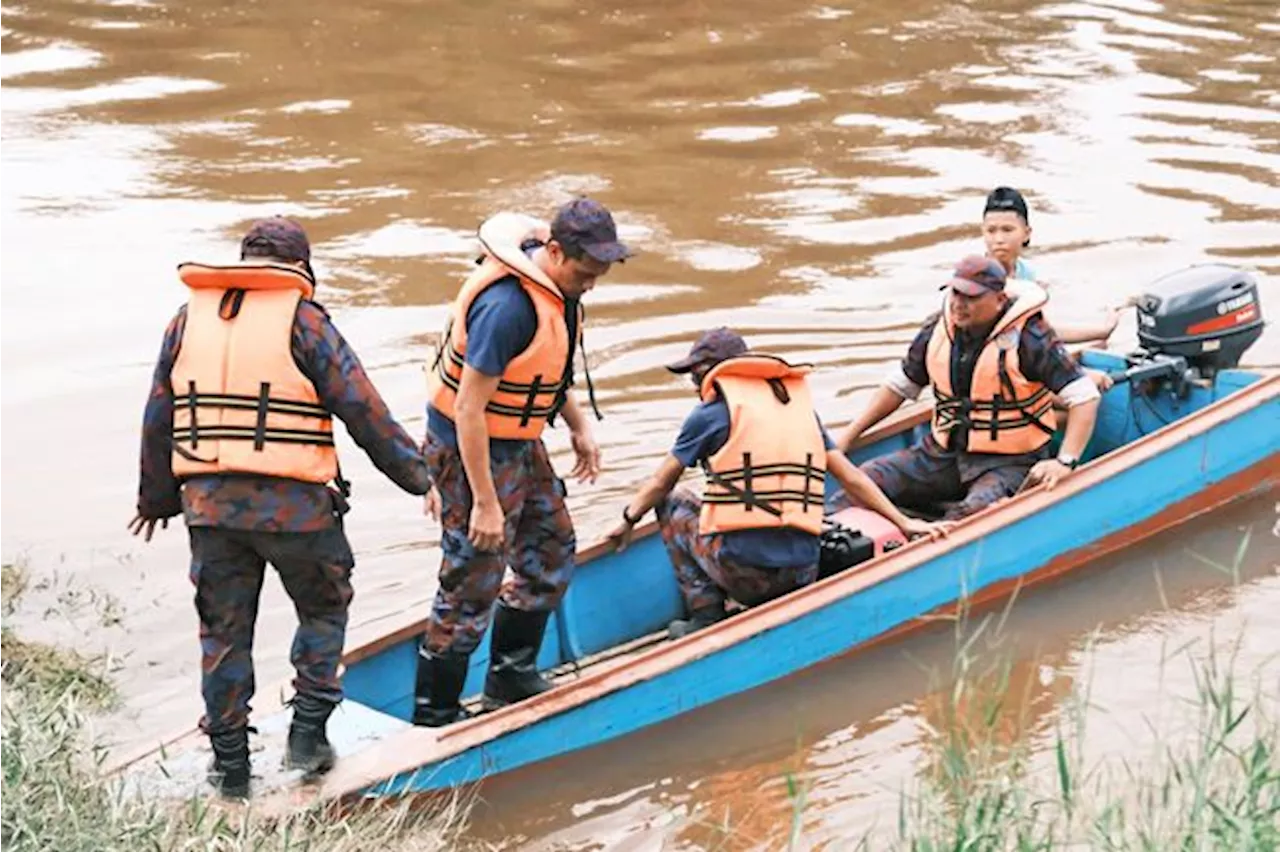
<point>513,659</point>
<point>698,619</point>
<point>437,689</point>
<point>229,770</point>
<point>308,747</point>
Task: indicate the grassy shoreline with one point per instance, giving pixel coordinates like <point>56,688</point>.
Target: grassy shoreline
<point>55,798</point>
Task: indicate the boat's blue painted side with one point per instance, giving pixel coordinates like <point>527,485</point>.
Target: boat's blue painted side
<point>621,596</point>
<point>610,601</point>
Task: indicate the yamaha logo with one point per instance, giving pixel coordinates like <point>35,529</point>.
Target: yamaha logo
<point>1232,304</point>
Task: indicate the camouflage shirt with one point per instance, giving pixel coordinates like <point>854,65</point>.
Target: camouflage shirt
<point>270,504</point>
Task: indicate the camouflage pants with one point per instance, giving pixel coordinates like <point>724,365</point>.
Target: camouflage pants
<point>915,478</point>
<point>227,569</point>
<point>539,544</point>
<point>705,575</point>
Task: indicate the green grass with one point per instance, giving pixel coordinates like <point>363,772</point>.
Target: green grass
<point>55,798</point>
<point>1217,789</point>
<point>46,669</point>
<point>993,780</point>
<point>1212,784</point>
<point>13,582</point>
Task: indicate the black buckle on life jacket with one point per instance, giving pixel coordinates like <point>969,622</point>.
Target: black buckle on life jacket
<point>229,306</point>
<point>260,427</point>
<point>191,410</point>
<point>527,412</point>
<point>808,474</point>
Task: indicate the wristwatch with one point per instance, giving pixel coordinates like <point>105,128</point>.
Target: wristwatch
<point>1068,460</point>
<point>628,518</point>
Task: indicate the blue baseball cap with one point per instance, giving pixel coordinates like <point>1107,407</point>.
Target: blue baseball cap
<point>587,226</point>
<point>711,347</point>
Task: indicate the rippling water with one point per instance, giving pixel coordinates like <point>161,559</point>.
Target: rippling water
<point>805,173</point>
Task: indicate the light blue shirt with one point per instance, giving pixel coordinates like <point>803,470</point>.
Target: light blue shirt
<point>1024,270</point>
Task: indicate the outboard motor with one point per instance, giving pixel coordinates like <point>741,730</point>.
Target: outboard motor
<point>1193,323</point>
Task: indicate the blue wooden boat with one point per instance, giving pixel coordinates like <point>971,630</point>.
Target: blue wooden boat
<point>1157,458</point>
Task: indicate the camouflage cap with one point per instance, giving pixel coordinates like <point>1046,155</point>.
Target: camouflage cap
<point>976,275</point>
<point>587,226</point>
<point>279,238</point>
<point>711,347</point>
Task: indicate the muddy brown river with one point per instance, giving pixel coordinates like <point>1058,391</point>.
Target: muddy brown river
<point>804,172</point>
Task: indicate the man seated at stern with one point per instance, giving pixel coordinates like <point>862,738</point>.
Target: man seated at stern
<point>995,366</point>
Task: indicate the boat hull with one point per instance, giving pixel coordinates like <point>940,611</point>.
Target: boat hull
<point>1227,451</point>
<point>1155,464</point>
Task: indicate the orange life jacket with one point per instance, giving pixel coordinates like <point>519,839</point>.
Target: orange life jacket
<point>1005,412</point>
<point>241,405</point>
<point>771,471</point>
<point>534,383</point>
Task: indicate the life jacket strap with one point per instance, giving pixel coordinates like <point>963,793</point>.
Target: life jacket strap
<point>527,413</point>
<point>744,495</point>
<point>1007,383</point>
<point>260,427</point>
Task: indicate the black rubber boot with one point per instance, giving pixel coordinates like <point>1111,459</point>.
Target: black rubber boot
<point>308,748</point>
<point>439,684</point>
<point>697,620</point>
<point>229,771</point>
<point>513,657</point>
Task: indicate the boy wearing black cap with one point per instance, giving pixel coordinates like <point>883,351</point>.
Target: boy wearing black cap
<point>1006,230</point>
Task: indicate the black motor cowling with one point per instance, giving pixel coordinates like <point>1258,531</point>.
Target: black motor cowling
<point>1208,314</point>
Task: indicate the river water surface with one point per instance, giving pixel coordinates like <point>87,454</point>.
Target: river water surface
<point>805,173</point>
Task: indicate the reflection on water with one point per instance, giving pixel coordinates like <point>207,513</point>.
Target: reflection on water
<point>803,172</point>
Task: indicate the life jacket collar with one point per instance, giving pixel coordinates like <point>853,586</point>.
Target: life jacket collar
<point>756,365</point>
<point>248,275</point>
<point>502,236</point>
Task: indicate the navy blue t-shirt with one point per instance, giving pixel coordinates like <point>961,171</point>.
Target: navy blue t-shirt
<point>501,323</point>
<point>704,432</point>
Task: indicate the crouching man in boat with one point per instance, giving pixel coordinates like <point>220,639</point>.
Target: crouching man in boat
<point>238,437</point>
<point>994,365</point>
<point>503,372</point>
<point>754,534</point>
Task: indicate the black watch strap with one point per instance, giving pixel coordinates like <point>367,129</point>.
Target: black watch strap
<point>628,518</point>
